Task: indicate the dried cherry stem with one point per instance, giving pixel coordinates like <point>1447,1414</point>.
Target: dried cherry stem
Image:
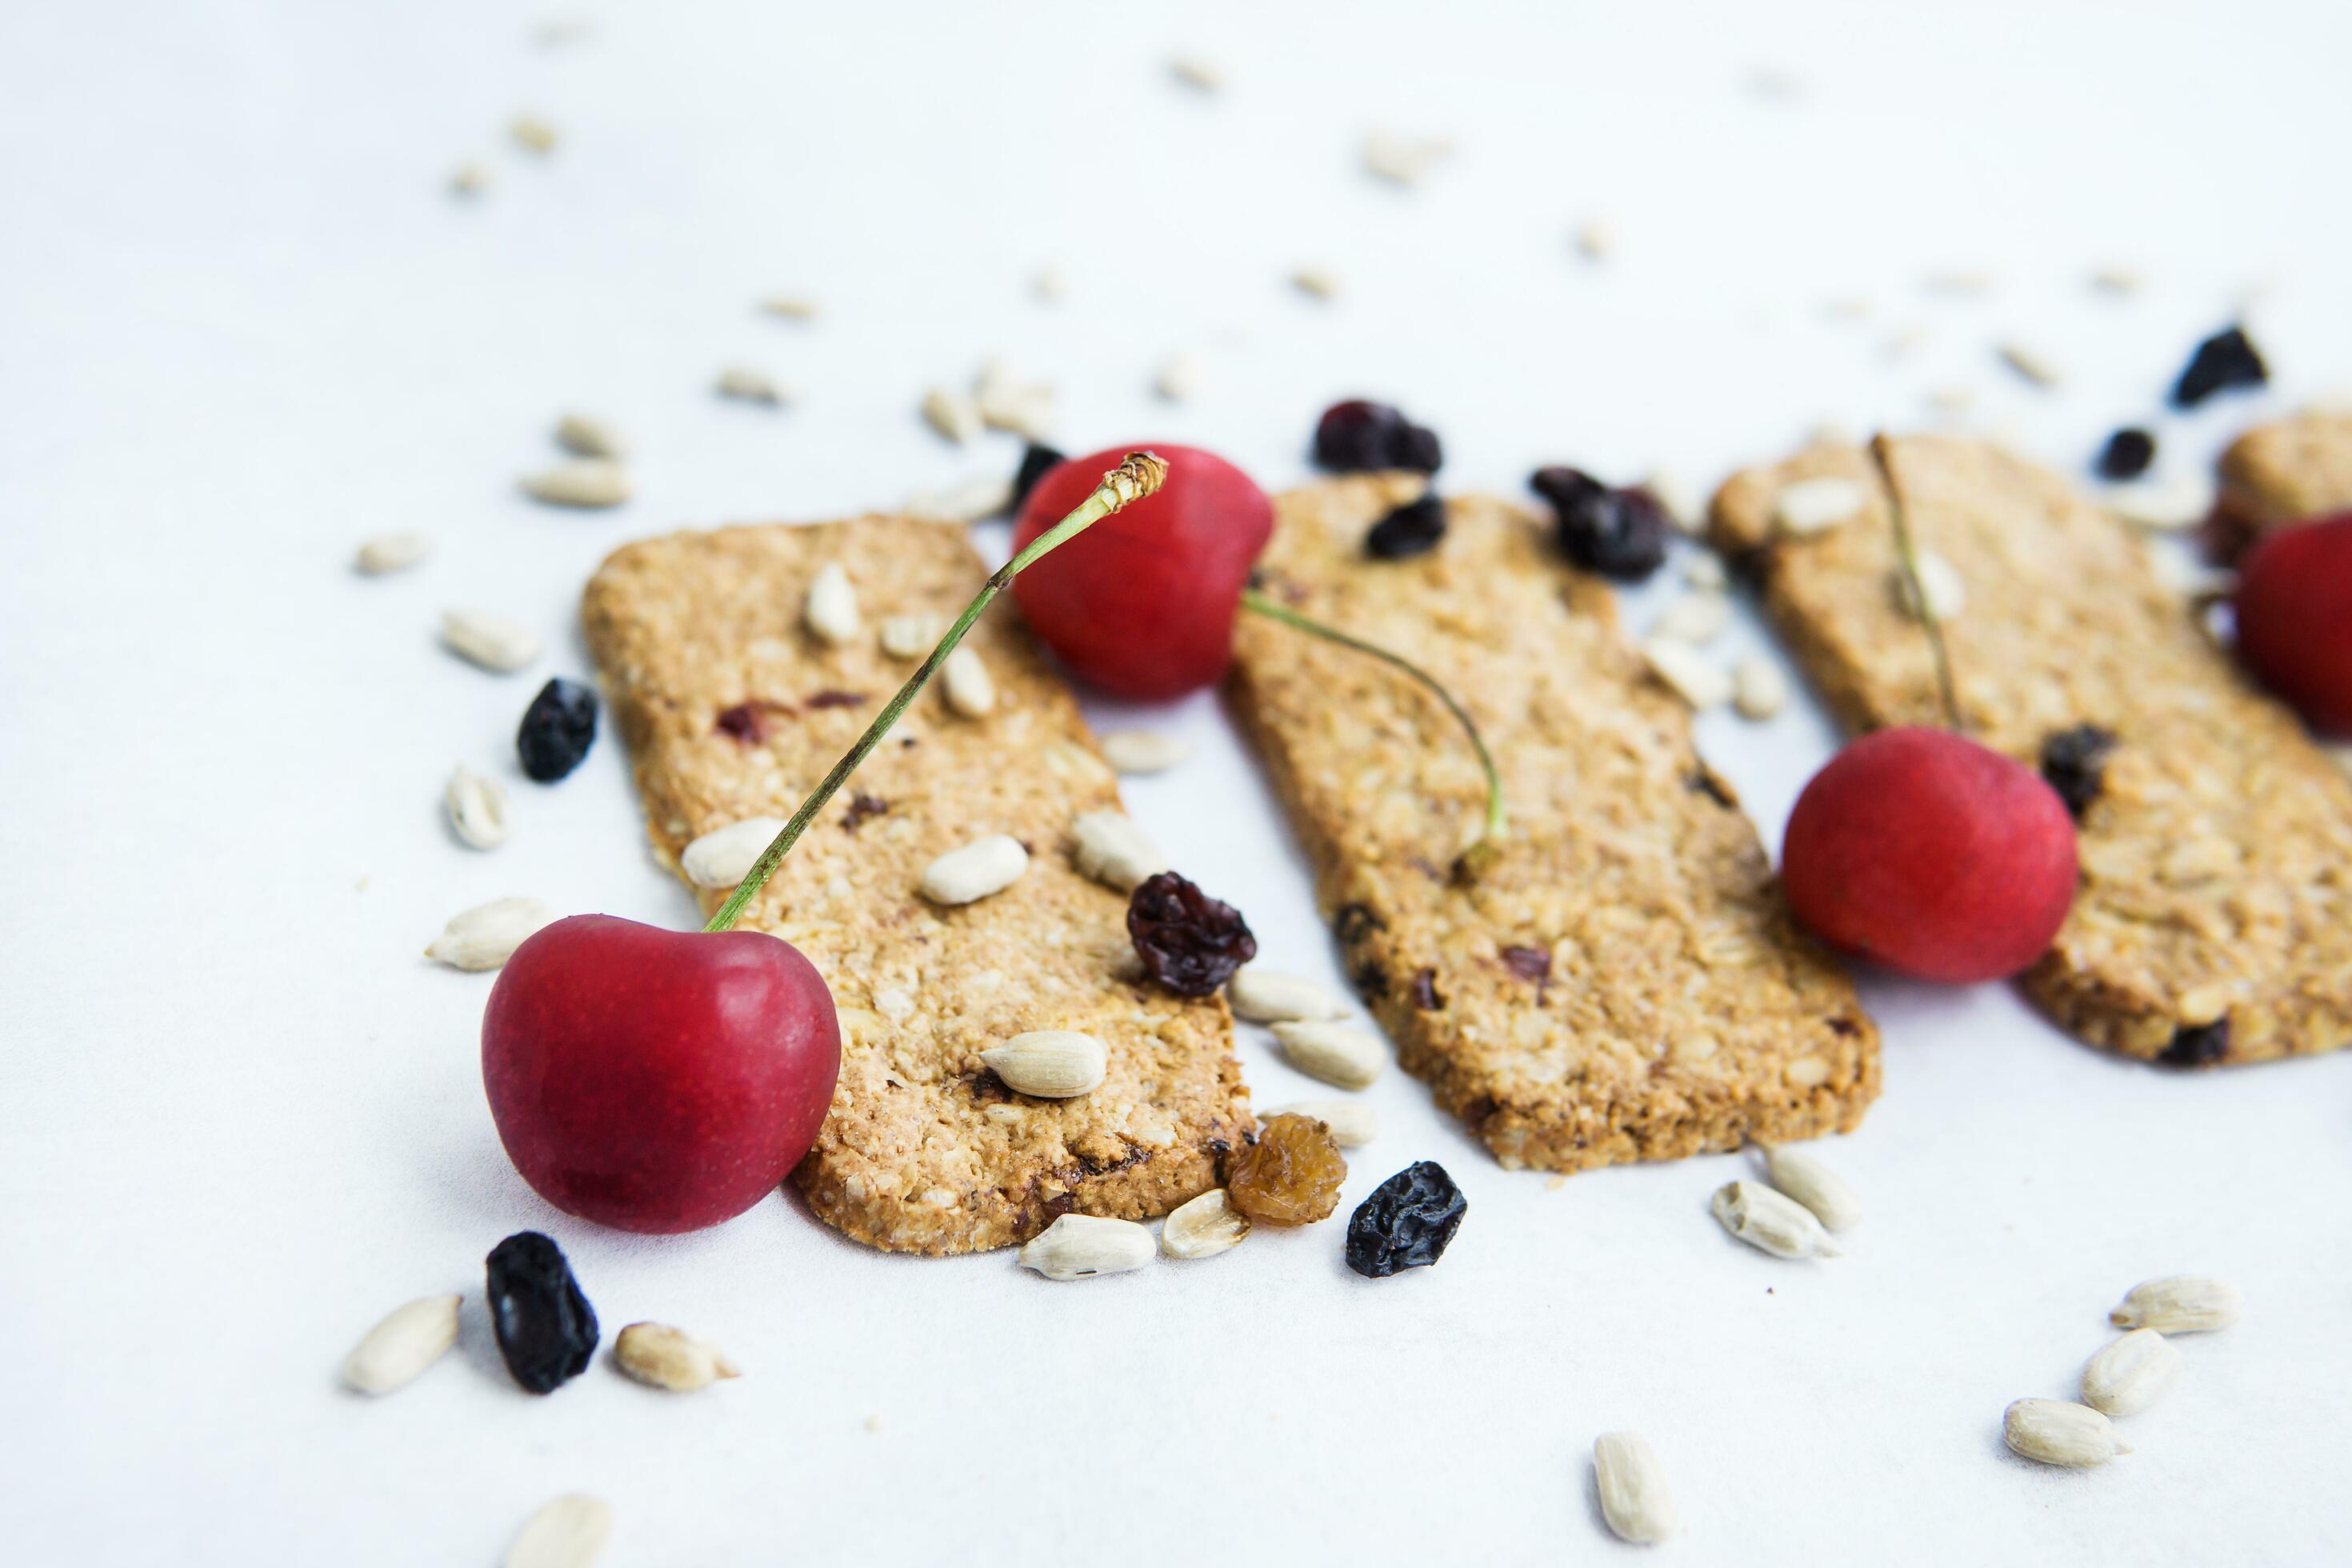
<point>1141,473</point>
<point>1946,691</point>
<point>1489,842</point>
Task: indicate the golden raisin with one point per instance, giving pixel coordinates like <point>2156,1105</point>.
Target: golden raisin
<point>1291,1175</point>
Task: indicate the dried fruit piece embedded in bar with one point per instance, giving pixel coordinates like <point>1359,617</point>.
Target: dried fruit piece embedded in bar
<point>1407,1222</point>
<point>2074,762</point>
<point>1413,529</point>
<point>546,1329</point>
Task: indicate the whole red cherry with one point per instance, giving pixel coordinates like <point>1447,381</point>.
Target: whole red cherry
<point>1932,855</point>
<point>657,1081</point>
<point>1142,603</point>
<point>2294,609</point>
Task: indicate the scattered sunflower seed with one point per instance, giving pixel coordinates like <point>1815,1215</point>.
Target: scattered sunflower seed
<point>1138,752</point>
<point>1696,618</point>
<point>478,808</point>
<point>1770,1223</point>
<point>1259,996</point>
<point>588,483</point>
<point>745,384</point>
<point>970,689</point>
<point>585,436</point>
<point>1203,1226</point>
<point>2030,363</point>
<point>1690,674</point>
<point>491,642</point>
<point>1081,1246</point>
<point>1705,570</point>
<point>1006,402</point>
<point>1317,282</point>
<point>1673,494</point>
<point>952,414</point>
<point>485,936</point>
<point>2179,1304</point>
<point>1403,160</point>
<point>1903,343</point>
<point>670,1358</point>
<point>2118,280</point>
<point>1048,284</point>
<point>1196,72</point>
<point>2131,1372</point>
<point>1812,506</point>
<point>392,552</point>
<point>1340,1055</point>
<point>397,1350</point>
<point>569,1532</point>
<point>1050,1064</point>
<point>1815,1185</point>
<point>1595,240</point>
<point>1953,401</point>
<point>1115,852</point>
<point>984,496</point>
<point>1940,582</point>
<point>1964,281</point>
<point>831,607</point>
<point>723,857</point>
<point>980,868</point>
<point>1353,1122</point>
<point>531,133</point>
<point>470,178</point>
<point>2058,1432</point>
<point>1634,1498</point>
<point>2165,505</point>
<point>790,307</point>
<point>911,637</point>
<point>1179,378</point>
<point>1760,690</point>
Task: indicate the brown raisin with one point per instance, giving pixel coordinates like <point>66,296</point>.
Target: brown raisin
<point>1189,942</point>
<point>1291,1175</point>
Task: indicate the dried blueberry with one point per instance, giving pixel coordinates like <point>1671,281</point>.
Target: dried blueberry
<point>1406,1222</point>
<point>2126,454</point>
<point>1357,436</point>
<point>546,1329</point>
<point>1413,529</point>
<point>2198,1044</point>
<point>1189,942</point>
<point>2074,762</point>
<point>1036,461</point>
<point>558,728</point>
<point>1620,533</point>
<point>2227,359</point>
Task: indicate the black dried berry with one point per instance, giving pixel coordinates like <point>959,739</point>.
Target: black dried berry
<point>2126,454</point>
<point>1424,991</point>
<point>1189,942</point>
<point>558,728</point>
<point>861,806</point>
<point>546,1329</point>
<point>1360,436</point>
<point>2227,359</point>
<point>2074,762</point>
<point>1035,460</point>
<point>1618,533</point>
<point>1413,529</point>
<point>2198,1044</point>
<point>1406,1222</point>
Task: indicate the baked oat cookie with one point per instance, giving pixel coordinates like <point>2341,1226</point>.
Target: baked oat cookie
<point>1622,983</point>
<point>732,708</point>
<point>2214,919</point>
<point>2297,469</point>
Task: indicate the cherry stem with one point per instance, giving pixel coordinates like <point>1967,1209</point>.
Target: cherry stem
<point>1946,691</point>
<point>1490,837</point>
<point>1141,473</point>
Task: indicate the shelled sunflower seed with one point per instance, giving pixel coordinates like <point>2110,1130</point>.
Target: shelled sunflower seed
<point>470,178</point>
<point>1688,673</point>
<point>485,936</point>
<point>790,306</point>
<point>569,1533</point>
<point>1179,378</point>
<point>1635,1501</point>
<point>911,637</point>
<point>1772,1222</point>
<point>586,484</point>
<point>477,809</point>
<point>1353,1122</point>
<point>1142,752</point>
<point>532,133</point>
<point>2179,1304</point>
<point>1821,1190</point>
<point>952,414</point>
<point>586,436</point>
<point>830,610</point>
<point>489,641</point>
<point>392,552</point>
<point>1196,72</point>
<point>723,857</point>
<point>980,868</point>
<point>2059,1432</point>
<point>664,1357</point>
<point>1813,506</point>
<point>746,385</point>
<point>1759,687</point>
<point>2130,1373</point>
<point>1315,282</point>
<point>411,1338</point>
<point>1945,590</point>
<point>1203,1226</point>
<point>1050,1064</point>
<point>1082,1247</point>
<point>1261,996</point>
<point>970,689</point>
<point>1114,851</point>
<point>1007,401</point>
<point>1340,1055</point>
<point>1697,618</point>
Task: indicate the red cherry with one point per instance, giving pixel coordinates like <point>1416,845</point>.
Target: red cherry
<point>1142,604</point>
<point>657,1081</point>
<point>1931,855</point>
<point>2294,609</point>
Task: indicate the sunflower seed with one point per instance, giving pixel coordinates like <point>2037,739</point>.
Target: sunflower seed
<point>1339,1054</point>
<point>1115,852</point>
<point>569,1532</point>
<point>410,1339</point>
<point>1050,1064</point>
<point>1080,1246</point>
<point>1947,592</point>
<point>1007,402</point>
<point>478,808</point>
<point>1203,1226</point>
<point>1403,160</point>
<point>912,636</point>
<point>1811,506</point>
<point>531,133</point>
<point>1705,570</point>
<point>1633,1486</point>
<point>965,680</point>
<point>2165,505</point>
<point>587,483</point>
<point>1815,1185</point>
<point>724,856</point>
<point>2030,363</point>
<point>393,552</point>
<point>1953,401</point>
<point>966,502</point>
<point>1315,282</point>
<point>2131,1373</point>
<point>982,866</point>
<point>2057,1432</point>
<point>744,384</point>
<point>2179,1304</point>
<point>1690,674</point>
<point>1353,1122</point>
<point>1961,280</point>
<point>1196,72</point>
<point>1759,687</point>
<point>1180,377</point>
<point>1770,1223</point>
<point>952,413</point>
<point>1696,618</point>
<point>1673,494</point>
<point>792,307</point>
<point>585,436</point>
<point>1134,752</point>
<point>1595,240</point>
<point>1048,285</point>
<point>1260,995</point>
<point>670,1358</point>
<point>831,608</point>
<point>485,936</point>
<point>469,179</point>
<point>492,642</point>
<point>2117,279</point>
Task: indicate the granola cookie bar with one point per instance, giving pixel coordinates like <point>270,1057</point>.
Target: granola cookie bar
<point>2214,919</point>
<point>1623,983</point>
<point>2297,469</point>
<point>732,708</point>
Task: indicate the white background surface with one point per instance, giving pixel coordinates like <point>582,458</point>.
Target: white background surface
<point>242,326</point>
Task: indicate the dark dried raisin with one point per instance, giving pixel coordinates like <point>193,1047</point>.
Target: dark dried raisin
<point>546,1329</point>
<point>861,806</point>
<point>2126,454</point>
<point>1424,991</point>
<point>1620,533</point>
<point>1354,922</point>
<point>1036,461</point>
<point>1413,529</point>
<point>2199,1045</point>
<point>2074,762</point>
<point>751,720</point>
<point>1532,964</point>
<point>1407,1222</point>
<point>1189,942</point>
<point>2227,359</point>
<point>557,729</point>
<point>1358,436</point>
<point>837,698</point>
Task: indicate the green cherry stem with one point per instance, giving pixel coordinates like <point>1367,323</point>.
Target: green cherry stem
<point>1140,475</point>
<point>1946,691</point>
<point>1489,841</point>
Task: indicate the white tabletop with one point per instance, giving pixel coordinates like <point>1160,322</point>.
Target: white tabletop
<point>243,325</point>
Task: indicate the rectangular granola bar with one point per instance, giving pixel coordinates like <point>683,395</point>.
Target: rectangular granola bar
<point>2287,472</point>
<point>732,708</point>
<point>2214,918</point>
<point>1623,983</point>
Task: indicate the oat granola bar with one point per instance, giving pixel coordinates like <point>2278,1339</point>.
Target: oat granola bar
<point>2214,919</point>
<point>732,708</point>
<point>1623,983</point>
<point>2287,472</point>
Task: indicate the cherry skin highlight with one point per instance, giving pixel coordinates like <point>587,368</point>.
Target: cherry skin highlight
<point>1142,603</point>
<point>1932,855</point>
<point>2294,609</point>
<point>657,1081</point>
